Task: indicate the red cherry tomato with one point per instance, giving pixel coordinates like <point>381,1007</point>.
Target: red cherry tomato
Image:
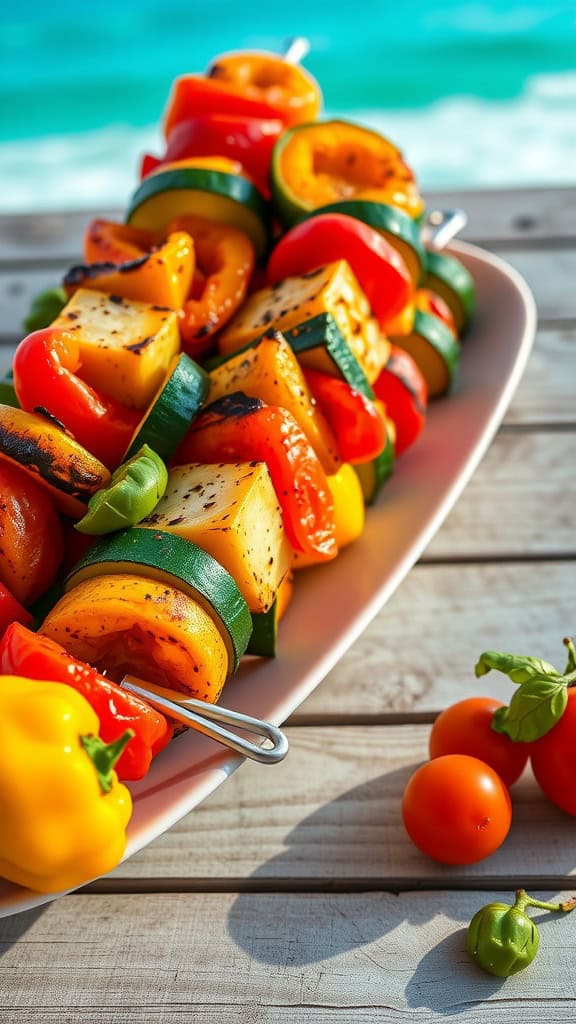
<point>553,759</point>
<point>456,809</point>
<point>379,268</point>
<point>402,389</point>
<point>466,728</point>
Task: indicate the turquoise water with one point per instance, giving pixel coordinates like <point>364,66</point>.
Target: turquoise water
<point>475,93</point>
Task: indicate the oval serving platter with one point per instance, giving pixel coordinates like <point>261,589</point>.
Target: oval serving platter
<point>327,614</point>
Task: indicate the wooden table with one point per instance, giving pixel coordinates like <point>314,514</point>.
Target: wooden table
<point>293,893</point>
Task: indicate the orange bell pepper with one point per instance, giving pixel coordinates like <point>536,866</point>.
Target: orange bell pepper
<point>127,261</point>
<point>286,87</point>
<point>224,264</point>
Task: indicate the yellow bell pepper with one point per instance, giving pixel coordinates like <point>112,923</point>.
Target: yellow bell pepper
<point>62,809</point>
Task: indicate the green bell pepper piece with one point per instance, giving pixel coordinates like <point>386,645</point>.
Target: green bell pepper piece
<point>133,493</point>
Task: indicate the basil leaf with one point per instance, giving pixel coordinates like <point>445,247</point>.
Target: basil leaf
<point>45,308</point>
<point>535,707</point>
<point>518,667</point>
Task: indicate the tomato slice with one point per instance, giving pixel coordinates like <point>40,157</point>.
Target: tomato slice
<point>380,269</point>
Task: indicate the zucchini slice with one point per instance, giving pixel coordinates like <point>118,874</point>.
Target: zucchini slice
<point>320,344</point>
<point>227,198</point>
<point>373,475</point>
<point>180,564</point>
<point>396,227</point>
<point>264,638</point>
<point>450,279</point>
<point>176,404</point>
<point>434,349</point>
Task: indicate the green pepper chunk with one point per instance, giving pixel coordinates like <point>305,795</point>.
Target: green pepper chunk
<point>7,391</point>
<point>134,491</point>
<point>502,939</point>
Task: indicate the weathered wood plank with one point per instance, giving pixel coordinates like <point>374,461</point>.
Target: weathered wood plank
<point>493,215</point>
<point>258,959</point>
<point>418,654</point>
<point>521,499</point>
<point>332,812</point>
<point>546,391</point>
<point>549,272</point>
<point>518,215</point>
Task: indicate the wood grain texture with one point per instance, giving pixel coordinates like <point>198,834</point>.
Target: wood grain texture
<point>259,959</point>
<point>546,391</point>
<point>521,500</point>
<point>549,272</point>
<point>332,812</point>
<point>418,654</point>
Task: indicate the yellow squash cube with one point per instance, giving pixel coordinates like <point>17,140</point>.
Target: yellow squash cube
<point>332,289</point>
<point>126,347</point>
<point>232,512</point>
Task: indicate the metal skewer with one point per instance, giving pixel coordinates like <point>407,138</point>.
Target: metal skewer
<point>442,226</point>
<point>296,49</point>
<point>204,717</point>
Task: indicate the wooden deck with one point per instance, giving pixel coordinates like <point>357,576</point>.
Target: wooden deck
<point>293,894</point>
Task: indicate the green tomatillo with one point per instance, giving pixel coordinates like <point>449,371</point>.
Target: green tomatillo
<point>502,939</point>
<point>133,493</point>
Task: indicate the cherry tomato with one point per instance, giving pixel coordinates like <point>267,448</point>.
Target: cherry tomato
<point>381,272</point>
<point>31,544</point>
<point>456,809</point>
<point>466,728</point>
<point>553,759</point>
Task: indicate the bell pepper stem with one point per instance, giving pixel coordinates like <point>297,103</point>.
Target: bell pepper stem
<point>523,900</point>
<point>105,755</point>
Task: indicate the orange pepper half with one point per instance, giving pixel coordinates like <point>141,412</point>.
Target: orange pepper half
<point>224,265</point>
<point>130,262</point>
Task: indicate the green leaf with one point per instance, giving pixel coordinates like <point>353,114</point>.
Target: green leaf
<point>518,667</point>
<point>534,709</point>
<point>45,308</point>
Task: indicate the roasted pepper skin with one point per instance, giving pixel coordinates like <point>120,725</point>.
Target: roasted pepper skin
<point>59,827</point>
<point>37,657</point>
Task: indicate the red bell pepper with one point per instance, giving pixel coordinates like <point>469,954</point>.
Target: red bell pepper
<point>193,94</point>
<point>11,611</point>
<point>356,421</point>
<point>34,656</point>
<point>237,429</point>
<point>402,389</point>
<point>45,366</point>
<point>249,140</point>
<point>379,268</point>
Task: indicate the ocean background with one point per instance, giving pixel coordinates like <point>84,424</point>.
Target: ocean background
<point>478,94</point>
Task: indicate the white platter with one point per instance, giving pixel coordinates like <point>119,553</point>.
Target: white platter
<point>333,604</point>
